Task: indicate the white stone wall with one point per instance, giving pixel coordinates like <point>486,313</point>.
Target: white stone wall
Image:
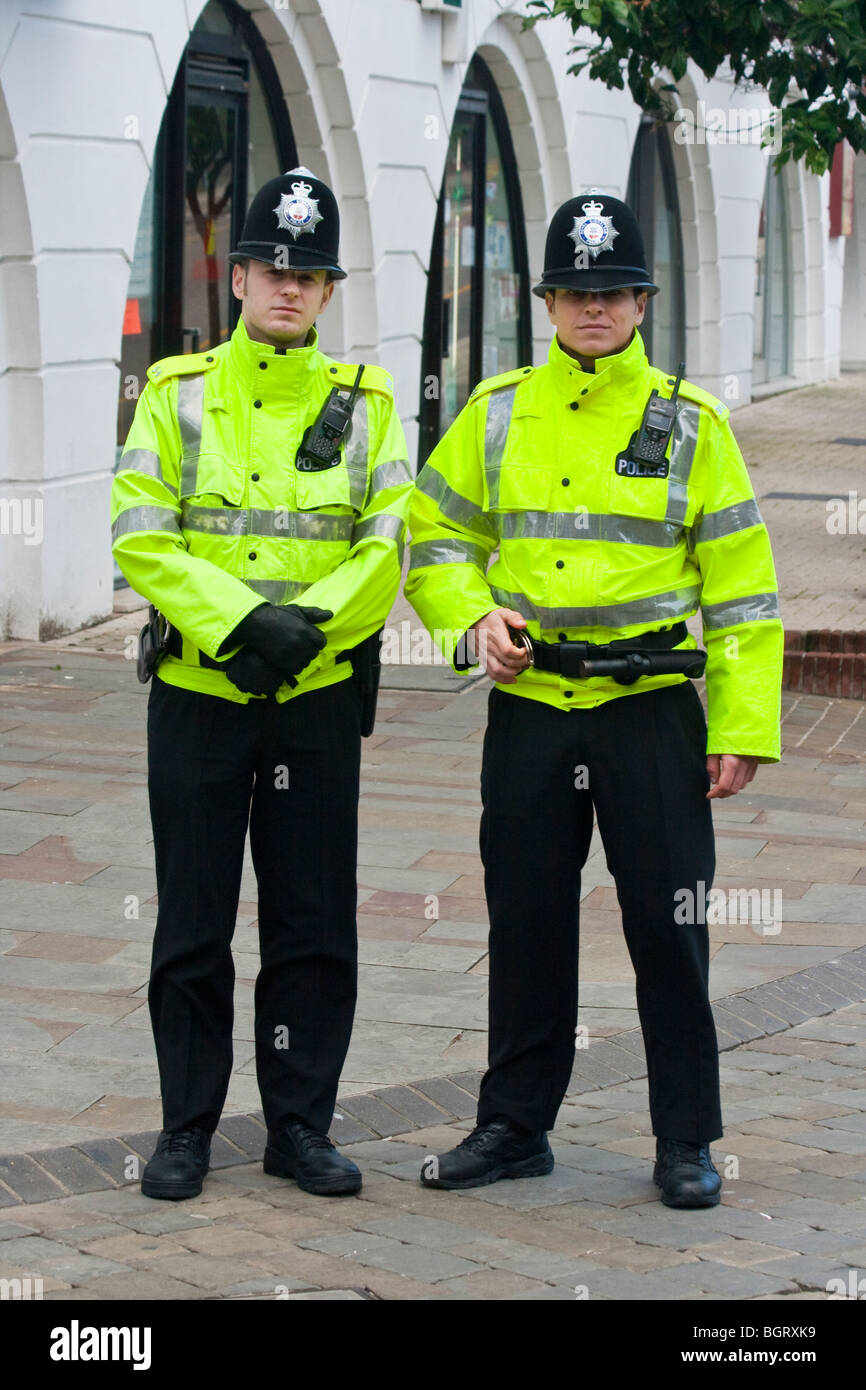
<point>83,84</point>
<point>853,325</point>
<point>371,87</point>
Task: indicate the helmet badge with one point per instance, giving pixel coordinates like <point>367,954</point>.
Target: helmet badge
<point>297,212</point>
<point>593,232</point>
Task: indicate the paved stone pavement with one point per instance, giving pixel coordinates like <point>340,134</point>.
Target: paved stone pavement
<point>792,1217</point>
<point>77,894</point>
<point>77,906</point>
<point>812,443</point>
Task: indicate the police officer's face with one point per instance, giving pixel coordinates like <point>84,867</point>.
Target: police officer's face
<point>280,306</point>
<point>595,323</point>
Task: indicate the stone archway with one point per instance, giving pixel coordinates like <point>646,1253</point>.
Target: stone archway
<point>698,224</point>
<point>313,84</point>
<point>807,226</point>
<point>853,334</point>
<point>313,87</point>
<point>71,201</point>
<point>21,431</point>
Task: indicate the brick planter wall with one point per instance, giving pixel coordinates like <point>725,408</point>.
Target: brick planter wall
<point>826,662</point>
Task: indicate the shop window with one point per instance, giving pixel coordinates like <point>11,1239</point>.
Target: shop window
<point>476,322</point>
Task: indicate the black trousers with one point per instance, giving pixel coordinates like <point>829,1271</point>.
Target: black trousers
<point>640,760</point>
<point>290,771</point>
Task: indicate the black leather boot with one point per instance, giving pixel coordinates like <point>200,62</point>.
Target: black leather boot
<point>499,1149</point>
<point>685,1174</point>
<point>179,1164</point>
<point>296,1151</point>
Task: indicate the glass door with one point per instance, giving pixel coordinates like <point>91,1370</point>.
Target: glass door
<point>501,344</point>
<point>140,313</point>
<point>214,200</point>
<point>460,234</point>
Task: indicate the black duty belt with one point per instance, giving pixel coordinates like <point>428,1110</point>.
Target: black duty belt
<point>626,660</point>
<point>174,647</point>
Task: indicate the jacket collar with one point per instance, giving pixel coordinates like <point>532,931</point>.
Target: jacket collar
<point>621,370</point>
<point>286,370</point>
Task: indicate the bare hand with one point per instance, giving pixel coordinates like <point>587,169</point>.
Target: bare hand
<point>490,641</point>
<point>729,773</point>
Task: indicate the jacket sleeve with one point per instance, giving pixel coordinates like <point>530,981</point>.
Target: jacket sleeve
<point>197,597</point>
<point>743,631</point>
<point>361,590</point>
<point>453,538</point>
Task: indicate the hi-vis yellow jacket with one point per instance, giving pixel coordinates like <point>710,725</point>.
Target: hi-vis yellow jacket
<point>586,554</point>
<point>210,515</point>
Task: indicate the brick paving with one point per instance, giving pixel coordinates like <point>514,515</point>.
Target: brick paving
<point>78,895</point>
<point>79,1109</point>
<point>792,1215</point>
<point>789,444</point>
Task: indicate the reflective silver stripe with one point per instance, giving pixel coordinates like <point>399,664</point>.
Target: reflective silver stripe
<point>659,608</point>
<point>144,461</point>
<point>753,609</point>
<point>286,525</point>
<point>587,526</point>
<point>190,404</point>
<point>447,552</point>
<point>394,473</point>
<point>730,519</point>
<point>383,524</point>
<point>147,518</point>
<point>357,451</point>
<point>499,408</point>
<point>682,455</point>
<point>276,590</point>
<point>453,504</point>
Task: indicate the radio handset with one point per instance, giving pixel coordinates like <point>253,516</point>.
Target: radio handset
<point>320,447</point>
<point>645,455</point>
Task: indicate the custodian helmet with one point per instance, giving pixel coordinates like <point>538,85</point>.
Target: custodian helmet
<point>293,222</point>
<point>594,243</point>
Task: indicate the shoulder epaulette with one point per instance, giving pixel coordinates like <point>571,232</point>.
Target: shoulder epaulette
<point>493,383</point>
<point>185,364</point>
<point>702,397</point>
<point>374,379</point>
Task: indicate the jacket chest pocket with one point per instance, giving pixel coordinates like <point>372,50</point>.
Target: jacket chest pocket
<point>328,488</point>
<point>209,471</point>
<point>516,461</point>
<point>635,496</point>
<point>211,479</point>
<point>650,511</point>
<point>517,487</point>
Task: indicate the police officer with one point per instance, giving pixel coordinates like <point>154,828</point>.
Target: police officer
<point>616,514</point>
<point>260,505</point>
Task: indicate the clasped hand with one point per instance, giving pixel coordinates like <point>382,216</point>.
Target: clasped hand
<point>280,642</point>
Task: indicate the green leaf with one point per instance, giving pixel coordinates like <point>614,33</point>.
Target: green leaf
<point>818,44</point>
<point>778,89</point>
<point>679,66</point>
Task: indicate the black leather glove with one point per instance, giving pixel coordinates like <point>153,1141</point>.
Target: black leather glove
<point>252,674</point>
<point>286,637</point>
